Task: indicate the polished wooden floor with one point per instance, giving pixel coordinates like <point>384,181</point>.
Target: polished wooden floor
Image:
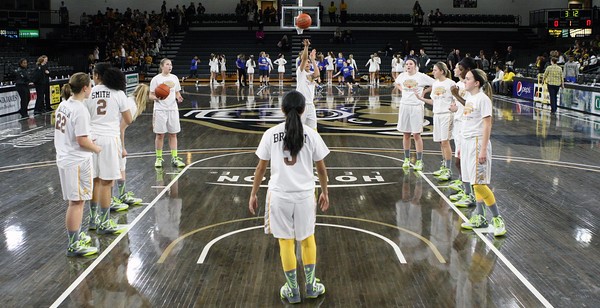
<point>390,239</point>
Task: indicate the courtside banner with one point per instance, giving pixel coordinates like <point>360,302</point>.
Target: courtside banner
<point>523,89</point>
<point>9,102</point>
<point>131,81</point>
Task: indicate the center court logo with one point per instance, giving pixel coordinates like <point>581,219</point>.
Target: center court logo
<point>337,178</point>
<point>343,119</point>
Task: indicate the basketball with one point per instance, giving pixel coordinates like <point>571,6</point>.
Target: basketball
<point>303,21</point>
<point>162,91</point>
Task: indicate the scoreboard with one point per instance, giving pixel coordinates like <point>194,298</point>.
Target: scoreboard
<point>570,19</point>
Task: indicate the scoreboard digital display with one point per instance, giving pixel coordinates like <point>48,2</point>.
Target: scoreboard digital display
<point>570,19</point>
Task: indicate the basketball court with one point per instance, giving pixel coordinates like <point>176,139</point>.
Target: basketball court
<point>391,237</point>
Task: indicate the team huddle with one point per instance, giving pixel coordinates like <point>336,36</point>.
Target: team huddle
<point>91,155</point>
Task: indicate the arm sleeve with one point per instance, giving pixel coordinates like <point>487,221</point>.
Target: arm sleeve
<point>320,150</point>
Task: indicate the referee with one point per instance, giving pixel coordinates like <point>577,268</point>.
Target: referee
<point>553,77</point>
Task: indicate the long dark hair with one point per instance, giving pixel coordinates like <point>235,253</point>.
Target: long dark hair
<point>110,76</point>
<point>293,107</point>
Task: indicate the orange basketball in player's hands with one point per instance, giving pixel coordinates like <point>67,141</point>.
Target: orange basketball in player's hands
<point>303,21</point>
<point>162,91</point>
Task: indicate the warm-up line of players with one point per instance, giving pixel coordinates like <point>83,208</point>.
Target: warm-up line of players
<point>90,145</point>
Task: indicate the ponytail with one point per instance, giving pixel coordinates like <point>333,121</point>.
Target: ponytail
<point>293,107</point>
<point>141,97</point>
<point>65,91</point>
<point>481,77</point>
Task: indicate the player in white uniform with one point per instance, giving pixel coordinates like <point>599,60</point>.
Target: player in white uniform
<point>137,104</point>
<point>166,114</point>
<point>330,67</point>
<point>222,68</point>
<point>443,118</point>
<point>476,150</point>
<point>305,83</point>
<point>250,64</point>
<point>74,150</point>
<point>373,67</point>
<point>464,197</point>
<point>107,104</point>
<point>290,213</point>
<point>213,64</point>
<point>411,111</point>
<point>281,62</point>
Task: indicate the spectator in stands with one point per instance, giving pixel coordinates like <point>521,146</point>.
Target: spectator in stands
<point>250,19</point>
<point>321,11</point>
<point>22,83</point>
<point>571,70</point>
<point>423,61</point>
<point>332,10</point>
<point>509,60</point>
<point>418,14</point>
<point>439,17</point>
<point>411,55</point>
<point>194,67</point>
<point>553,78</point>
<point>387,49</point>
<point>540,62</point>
<point>495,59</point>
<point>96,54</point>
<point>343,12</point>
<point>122,56</point>
<point>337,35</point>
<point>453,58</point>
<point>507,81</point>
<point>260,35</point>
<point>485,64</point>
<point>347,36</point>
<point>42,85</point>
<point>63,13</point>
<point>284,44</point>
<point>498,79</point>
<point>431,18</point>
<point>200,11</point>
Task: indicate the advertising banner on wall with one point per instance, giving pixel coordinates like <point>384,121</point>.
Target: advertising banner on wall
<point>131,81</point>
<point>9,102</point>
<point>54,94</point>
<point>524,89</point>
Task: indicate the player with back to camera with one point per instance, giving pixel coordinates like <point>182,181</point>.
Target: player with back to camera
<point>74,150</point>
<point>107,104</point>
<point>137,104</point>
<point>290,214</point>
<point>476,150</point>
<point>166,114</point>
<point>307,74</point>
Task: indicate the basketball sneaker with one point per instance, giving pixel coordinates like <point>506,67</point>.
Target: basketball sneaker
<point>406,163</point>
<point>159,162</point>
<point>130,199</point>
<point>445,175</point>
<point>418,165</point>
<point>499,228</point>
<point>315,289</point>
<point>291,295</point>
<point>117,206</point>
<point>457,196</point>
<point>80,249</point>
<point>438,172</point>
<point>456,185</point>
<point>84,238</point>
<point>110,227</point>
<point>94,221</point>
<point>177,162</point>
<point>476,221</point>
<point>465,201</point>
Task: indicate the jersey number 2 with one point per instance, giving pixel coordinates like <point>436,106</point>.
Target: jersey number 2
<point>101,108</point>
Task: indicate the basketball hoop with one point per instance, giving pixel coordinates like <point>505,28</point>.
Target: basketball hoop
<point>299,30</point>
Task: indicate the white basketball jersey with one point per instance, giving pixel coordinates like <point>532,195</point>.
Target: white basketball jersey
<point>72,121</point>
<point>105,106</point>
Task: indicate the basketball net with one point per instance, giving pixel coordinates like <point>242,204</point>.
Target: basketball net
<point>299,30</point>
